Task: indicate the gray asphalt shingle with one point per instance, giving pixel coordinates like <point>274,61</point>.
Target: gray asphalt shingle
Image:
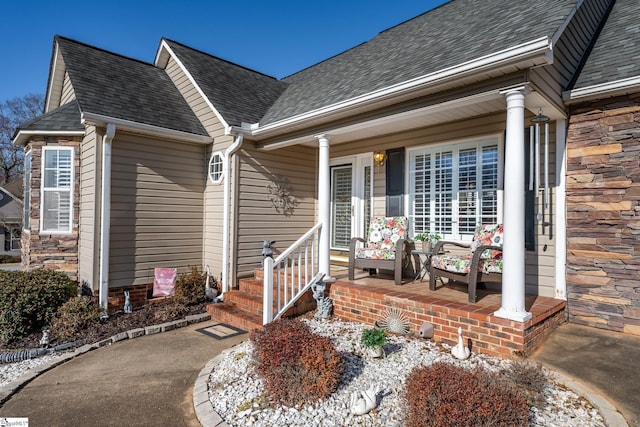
<point>616,53</point>
<point>115,86</point>
<point>454,33</point>
<point>239,94</point>
<point>63,118</point>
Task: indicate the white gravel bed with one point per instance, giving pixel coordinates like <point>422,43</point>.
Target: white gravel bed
<point>236,391</point>
<point>11,371</point>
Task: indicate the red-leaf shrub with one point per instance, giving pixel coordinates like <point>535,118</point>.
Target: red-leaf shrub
<point>446,395</point>
<point>297,365</point>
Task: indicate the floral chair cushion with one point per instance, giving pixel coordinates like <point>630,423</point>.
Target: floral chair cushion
<point>489,235</point>
<point>491,260</point>
<point>383,234</point>
<point>458,264</point>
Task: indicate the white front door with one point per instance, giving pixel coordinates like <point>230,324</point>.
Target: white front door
<point>351,199</point>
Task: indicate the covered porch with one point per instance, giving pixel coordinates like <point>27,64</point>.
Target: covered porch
<point>366,298</point>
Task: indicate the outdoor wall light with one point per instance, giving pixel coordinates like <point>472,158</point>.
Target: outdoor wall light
<point>379,158</point>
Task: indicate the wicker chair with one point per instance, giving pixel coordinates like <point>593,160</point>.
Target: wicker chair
<point>483,263</point>
<point>384,248</point>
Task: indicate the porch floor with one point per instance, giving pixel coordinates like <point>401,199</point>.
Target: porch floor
<point>365,299</point>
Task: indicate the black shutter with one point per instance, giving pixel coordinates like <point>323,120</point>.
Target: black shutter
<point>395,182</point>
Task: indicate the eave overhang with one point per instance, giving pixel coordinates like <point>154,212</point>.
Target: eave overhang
<point>23,136</point>
<point>144,129</point>
<point>603,90</point>
<point>537,52</point>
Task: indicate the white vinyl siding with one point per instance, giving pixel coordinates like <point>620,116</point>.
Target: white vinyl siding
<point>57,179</point>
<point>454,188</point>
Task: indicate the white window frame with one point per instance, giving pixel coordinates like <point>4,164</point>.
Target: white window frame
<point>26,215</point>
<point>455,146</point>
<point>218,180</point>
<point>44,190</point>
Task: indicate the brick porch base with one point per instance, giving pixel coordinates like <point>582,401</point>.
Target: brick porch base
<point>365,300</point>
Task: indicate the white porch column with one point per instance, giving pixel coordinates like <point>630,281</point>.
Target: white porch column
<point>513,284</point>
<point>324,205</point>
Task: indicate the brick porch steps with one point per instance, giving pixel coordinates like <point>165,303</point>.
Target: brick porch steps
<point>242,307</point>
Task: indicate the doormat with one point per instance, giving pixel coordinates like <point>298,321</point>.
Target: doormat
<point>221,331</point>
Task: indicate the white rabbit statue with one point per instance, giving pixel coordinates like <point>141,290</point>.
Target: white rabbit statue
<point>128,308</point>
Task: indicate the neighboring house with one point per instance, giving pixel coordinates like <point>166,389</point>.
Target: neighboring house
<point>193,160</point>
<point>11,211</point>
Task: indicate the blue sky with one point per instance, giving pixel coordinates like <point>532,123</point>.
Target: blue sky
<point>274,37</point>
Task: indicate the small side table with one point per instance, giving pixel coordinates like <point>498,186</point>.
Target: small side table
<point>425,260</point>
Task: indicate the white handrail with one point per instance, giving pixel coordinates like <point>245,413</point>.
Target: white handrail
<point>293,271</point>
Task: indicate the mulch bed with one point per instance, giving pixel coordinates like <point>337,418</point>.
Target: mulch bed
<point>148,315</point>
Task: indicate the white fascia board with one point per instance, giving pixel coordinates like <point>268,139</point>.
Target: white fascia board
<point>602,90</point>
<point>23,135</point>
<point>541,46</point>
<point>164,45</point>
<point>57,62</point>
<point>151,130</point>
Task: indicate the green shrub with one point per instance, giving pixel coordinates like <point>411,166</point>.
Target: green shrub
<point>297,365</point>
<point>190,287</point>
<point>73,317</point>
<point>28,300</point>
<point>443,395</point>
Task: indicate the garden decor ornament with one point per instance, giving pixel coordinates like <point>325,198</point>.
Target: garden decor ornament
<point>128,308</point>
<point>362,402</point>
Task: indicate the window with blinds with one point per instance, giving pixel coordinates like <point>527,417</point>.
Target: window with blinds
<point>57,183</point>
<point>341,186</point>
<point>454,188</point>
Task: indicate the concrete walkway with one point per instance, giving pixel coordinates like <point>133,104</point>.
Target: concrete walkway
<point>149,381</point>
<point>604,362</point>
<point>146,381</point>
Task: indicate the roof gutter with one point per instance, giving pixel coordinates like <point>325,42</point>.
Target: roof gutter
<point>631,84</point>
<point>23,136</point>
<point>105,215</point>
<point>226,229</point>
<point>539,47</point>
<point>151,130</point>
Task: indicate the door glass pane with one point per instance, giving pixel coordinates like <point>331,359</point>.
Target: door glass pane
<point>341,190</point>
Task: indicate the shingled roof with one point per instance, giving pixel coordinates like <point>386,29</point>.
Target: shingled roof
<point>616,53</point>
<point>454,33</point>
<point>63,118</point>
<point>239,94</point>
<point>115,86</point>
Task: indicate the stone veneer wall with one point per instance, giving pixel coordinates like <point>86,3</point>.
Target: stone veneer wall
<point>603,214</point>
<point>51,251</point>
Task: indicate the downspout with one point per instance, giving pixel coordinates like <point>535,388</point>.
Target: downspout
<point>105,215</point>
<point>226,232</point>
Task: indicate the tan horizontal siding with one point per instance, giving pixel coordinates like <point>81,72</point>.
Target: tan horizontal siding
<point>197,103</point>
<point>156,210</point>
<point>88,212</point>
<point>258,219</point>
<point>68,93</point>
